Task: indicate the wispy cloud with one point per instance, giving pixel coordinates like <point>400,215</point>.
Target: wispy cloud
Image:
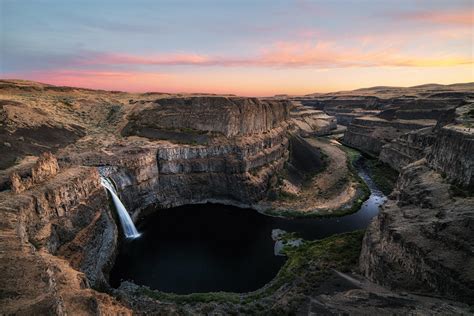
<point>464,17</point>
<point>287,54</point>
<point>252,46</point>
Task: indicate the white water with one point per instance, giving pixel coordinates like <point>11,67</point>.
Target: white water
<point>129,228</point>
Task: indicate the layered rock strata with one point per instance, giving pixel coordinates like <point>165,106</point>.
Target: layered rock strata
<point>369,134</point>
<point>310,122</point>
<point>230,116</point>
<point>422,238</point>
<point>408,148</point>
<point>452,154</point>
<point>238,171</point>
<point>45,168</point>
<point>376,116</point>
<point>58,224</point>
<point>50,232</point>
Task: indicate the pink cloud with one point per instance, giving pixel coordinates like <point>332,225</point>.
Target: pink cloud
<point>165,59</point>
<point>322,54</point>
<point>454,17</point>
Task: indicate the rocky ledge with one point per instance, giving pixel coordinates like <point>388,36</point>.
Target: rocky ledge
<point>57,239</point>
<point>230,116</point>
<point>311,122</point>
<point>422,239</point>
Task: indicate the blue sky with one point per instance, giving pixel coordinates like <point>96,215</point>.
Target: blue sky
<point>243,47</point>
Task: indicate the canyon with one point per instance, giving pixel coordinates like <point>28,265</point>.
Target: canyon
<point>279,155</point>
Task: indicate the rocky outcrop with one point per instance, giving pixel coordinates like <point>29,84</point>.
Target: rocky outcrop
<point>408,148</point>
<point>422,240</point>
<point>230,116</point>
<point>369,134</point>
<point>61,238</point>
<point>449,150</point>
<point>45,168</point>
<point>346,116</point>
<point>236,171</point>
<point>376,116</point>
<point>452,154</point>
<point>67,216</point>
<point>245,145</point>
<point>27,129</point>
<point>310,122</point>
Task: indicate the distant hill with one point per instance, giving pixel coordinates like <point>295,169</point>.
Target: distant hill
<point>388,91</point>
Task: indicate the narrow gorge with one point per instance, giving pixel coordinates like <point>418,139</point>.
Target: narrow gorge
<point>344,200</point>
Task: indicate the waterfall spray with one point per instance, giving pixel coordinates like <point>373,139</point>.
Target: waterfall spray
<point>129,228</point>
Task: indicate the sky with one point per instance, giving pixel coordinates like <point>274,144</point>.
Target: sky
<point>254,48</point>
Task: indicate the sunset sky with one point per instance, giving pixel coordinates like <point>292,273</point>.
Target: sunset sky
<point>243,47</point>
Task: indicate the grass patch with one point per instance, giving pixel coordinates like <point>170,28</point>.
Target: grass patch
<point>469,114</point>
<point>459,191</point>
<point>352,154</point>
<point>35,243</point>
<point>286,196</point>
<point>384,176</point>
<point>192,298</point>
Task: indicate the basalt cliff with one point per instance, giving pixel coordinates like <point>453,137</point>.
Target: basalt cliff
<point>159,150</point>
<point>59,234</point>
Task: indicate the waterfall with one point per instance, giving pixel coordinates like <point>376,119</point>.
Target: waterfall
<point>127,224</point>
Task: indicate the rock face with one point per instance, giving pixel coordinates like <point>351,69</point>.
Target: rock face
<point>64,212</point>
<point>45,168</point>
<point>230,116</point>
<point>452,154</point>
<point>167,175</point>
<point>369,134</point>
<point>408,148</point>
<point>377,116</point>
<point>50,233</point>
<point>450,137</point>
<point>312,122</point>
<point>449,150</point>
<point>422,241</point>
<point>422,238</point>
